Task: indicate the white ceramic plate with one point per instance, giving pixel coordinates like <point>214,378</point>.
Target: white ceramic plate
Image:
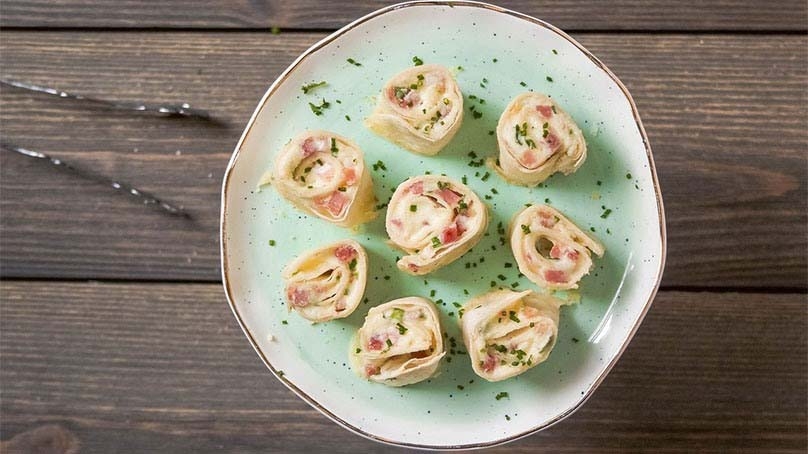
<point>495,54</point>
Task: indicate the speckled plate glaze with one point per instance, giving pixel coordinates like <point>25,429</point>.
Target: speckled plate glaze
<point>500,53</point>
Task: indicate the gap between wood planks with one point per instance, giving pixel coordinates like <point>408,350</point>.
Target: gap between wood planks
<point>662,288</point>
<point>660,32</point>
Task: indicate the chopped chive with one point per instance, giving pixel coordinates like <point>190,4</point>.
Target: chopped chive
<point>272,242</point>
<point>606,213</point>
<point>401,328</point>
<point>318,110</point>
<point>354,62</point>
<point>417,61</point>
<point>309,87</point>
<point>549,79</point>
<point>501,395</point>
<point>436,242</point>
<point>525,229</point>
<point>513,317</point>
<point>413,208</point>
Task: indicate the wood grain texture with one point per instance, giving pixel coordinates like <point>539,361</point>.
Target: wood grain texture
<point>165,368</point>
<point>313,14</point>
<point>726,116</point>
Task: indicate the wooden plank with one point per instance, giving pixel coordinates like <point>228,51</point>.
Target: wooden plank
<point>317,14</point>
<point>726,116</point>
<point>165,368</point>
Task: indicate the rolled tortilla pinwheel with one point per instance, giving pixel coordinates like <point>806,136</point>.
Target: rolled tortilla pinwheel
<point>507,332</point>
<point>328,282</point>
<point>420,109</point>
<point>324,174</point>
<point>435,220</point>
<point>550,250</point>
<point>536,139</point>
<point>400,342</point>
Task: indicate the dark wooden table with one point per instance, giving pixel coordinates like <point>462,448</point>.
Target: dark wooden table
<point>114,332</point>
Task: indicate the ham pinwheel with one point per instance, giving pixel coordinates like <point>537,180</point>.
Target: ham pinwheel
<point>536,139</point>
<point>324,174</point>
<point>507,332</point>
<point>328,282</point>
<point>420,109</point>
<point>434,220</point>
<point>400,342</point>
<point>550,250</point>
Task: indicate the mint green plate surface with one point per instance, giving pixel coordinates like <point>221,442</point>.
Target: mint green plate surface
<point>614,195</point>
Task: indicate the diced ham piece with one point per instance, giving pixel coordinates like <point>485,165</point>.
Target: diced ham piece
<point>545,111</point>
<point>410,99</point>
<point>547,219</point>
<point>572,254</point>
<point>339,306</point>
<point>297,296</point>
<point>490,363</point>
<point>450,234</point>
<point>453,232</point>
<point>376,342</point>
<point>413,267</point>
<point>350,175</point>
<point>334,203</point>
<point>555,276</point>
<point>556,252</point>
<point>552,141</point>
<point>528,158</point>
<point>417,188</point>
<point>371,370</point>
<point>444,109</point>
<point>449,196</point>
<point>397,223</point>
<point>313,145</point>
<point>345,253</point>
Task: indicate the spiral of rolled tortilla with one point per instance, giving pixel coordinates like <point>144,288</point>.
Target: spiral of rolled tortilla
<point>328,282</point>
<point>507,332</point>
<point>400,342</point>
<point>550,250</point>
<point>536,139</point>
<point>435,220</point>
<point>420,109</point>
<point>324,174</point>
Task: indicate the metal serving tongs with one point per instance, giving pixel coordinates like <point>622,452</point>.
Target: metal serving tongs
<point>183,109</point>
<point>168,110</point>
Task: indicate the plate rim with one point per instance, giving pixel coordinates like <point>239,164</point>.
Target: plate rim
<point>321,44</point>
